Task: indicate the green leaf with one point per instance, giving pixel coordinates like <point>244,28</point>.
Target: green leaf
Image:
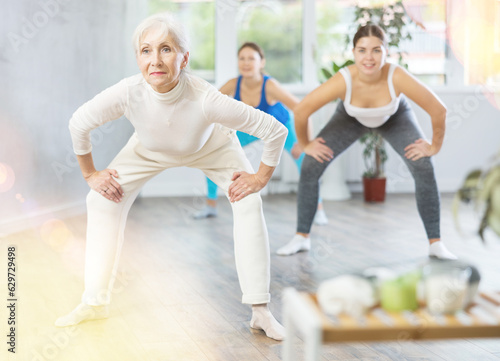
<point>326,73</point>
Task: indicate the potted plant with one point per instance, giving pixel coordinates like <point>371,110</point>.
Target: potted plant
<point>481,187</point>
<point>374,156</point>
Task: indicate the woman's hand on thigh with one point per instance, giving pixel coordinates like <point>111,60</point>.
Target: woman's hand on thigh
<point>419,149</point>
<point>319,150</point>
<point>244,184</point>
<point>104,183</point>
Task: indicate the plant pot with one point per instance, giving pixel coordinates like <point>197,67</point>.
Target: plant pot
<point>374,189</point>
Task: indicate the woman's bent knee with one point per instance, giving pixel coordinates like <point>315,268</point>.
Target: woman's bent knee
<point>422,165</point>
<point>251,201</point>
<point>312,169</point>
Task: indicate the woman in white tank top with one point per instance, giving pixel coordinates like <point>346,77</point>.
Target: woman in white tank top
<point>372,96</point>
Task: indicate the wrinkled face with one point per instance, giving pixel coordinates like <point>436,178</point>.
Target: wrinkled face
<point>160,60</point>
<point>250,63</point>
<point>369,54</point>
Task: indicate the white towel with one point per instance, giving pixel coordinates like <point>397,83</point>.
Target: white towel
<point>349,294</point>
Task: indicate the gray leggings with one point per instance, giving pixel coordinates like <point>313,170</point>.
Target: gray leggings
<point>400,130</point>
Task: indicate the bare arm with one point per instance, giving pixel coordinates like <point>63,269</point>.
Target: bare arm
<point>330,90</point>
<point>103,182</point>
<point>415,90</point>
<point>275,91</point>
<point>229,88</point>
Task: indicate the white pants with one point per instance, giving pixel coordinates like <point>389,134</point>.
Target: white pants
<point>218,159</point>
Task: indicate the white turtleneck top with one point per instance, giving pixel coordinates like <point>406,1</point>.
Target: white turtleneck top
<point>370,117</point>
<point>178,122</point>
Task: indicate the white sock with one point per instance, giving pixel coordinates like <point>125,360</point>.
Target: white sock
<point>263,319</point>
<point>206,212</point>
<point>439,250</point>
<point>82,313</point>
<point>320,218</point>
<point>297,244</point>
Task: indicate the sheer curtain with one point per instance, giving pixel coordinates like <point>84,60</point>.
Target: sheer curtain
<point>474,35</point>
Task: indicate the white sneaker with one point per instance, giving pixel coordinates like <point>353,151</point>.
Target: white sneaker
<point>205,212</point>
<point>297,244</point>
<point>320,218</point>
<point>439,250</point>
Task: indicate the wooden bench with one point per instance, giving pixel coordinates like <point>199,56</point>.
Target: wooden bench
<point>302,315</point>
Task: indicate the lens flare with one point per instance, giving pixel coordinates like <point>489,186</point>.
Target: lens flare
<point>474,37</point>
<point>7,177</point>
<point>56,234</point>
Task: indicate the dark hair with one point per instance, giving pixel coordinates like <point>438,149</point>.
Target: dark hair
<point>370,30</point>
<point>252,46</point>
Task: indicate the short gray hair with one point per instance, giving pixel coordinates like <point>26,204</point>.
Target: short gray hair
<point>167,25</point>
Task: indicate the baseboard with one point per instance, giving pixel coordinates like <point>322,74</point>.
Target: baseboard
<point>37,219</point>
<point>407,186</point>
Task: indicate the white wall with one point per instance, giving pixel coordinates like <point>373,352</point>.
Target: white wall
<point>55,56</point>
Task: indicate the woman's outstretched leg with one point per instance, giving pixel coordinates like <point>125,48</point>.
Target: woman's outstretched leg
<point>339,133</point>
<point>251,241</point>
<point>400,131</point>
<point>105,228</point>
<point>293,148</point>
<point>105,225</point>
<point>251,247</point>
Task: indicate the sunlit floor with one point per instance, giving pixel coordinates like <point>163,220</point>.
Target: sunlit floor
<point>177,295</point>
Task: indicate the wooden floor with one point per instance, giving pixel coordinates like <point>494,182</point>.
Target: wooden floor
<point>177,295</point>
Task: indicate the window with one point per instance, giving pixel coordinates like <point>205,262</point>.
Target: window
<point>333,22</point>
<point>277,27</point>
<point>424,54</point>
<point>426,51</point>
<point>198,17</point>
<point>454,42</point>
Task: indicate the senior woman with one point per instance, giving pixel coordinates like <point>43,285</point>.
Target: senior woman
<point>179,120</point>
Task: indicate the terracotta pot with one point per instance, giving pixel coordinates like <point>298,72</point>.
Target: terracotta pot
<point>374,189</point>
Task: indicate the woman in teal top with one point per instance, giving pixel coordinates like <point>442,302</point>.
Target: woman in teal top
<point>266,94</point>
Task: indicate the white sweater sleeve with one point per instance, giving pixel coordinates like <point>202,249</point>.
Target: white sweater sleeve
<point>108,105</point>
<point>235,114</point>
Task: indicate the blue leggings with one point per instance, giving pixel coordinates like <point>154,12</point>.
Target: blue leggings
<point>246,139</point>
<point>400,130</point>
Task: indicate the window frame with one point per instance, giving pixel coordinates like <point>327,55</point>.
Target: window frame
<point>226,47</point>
